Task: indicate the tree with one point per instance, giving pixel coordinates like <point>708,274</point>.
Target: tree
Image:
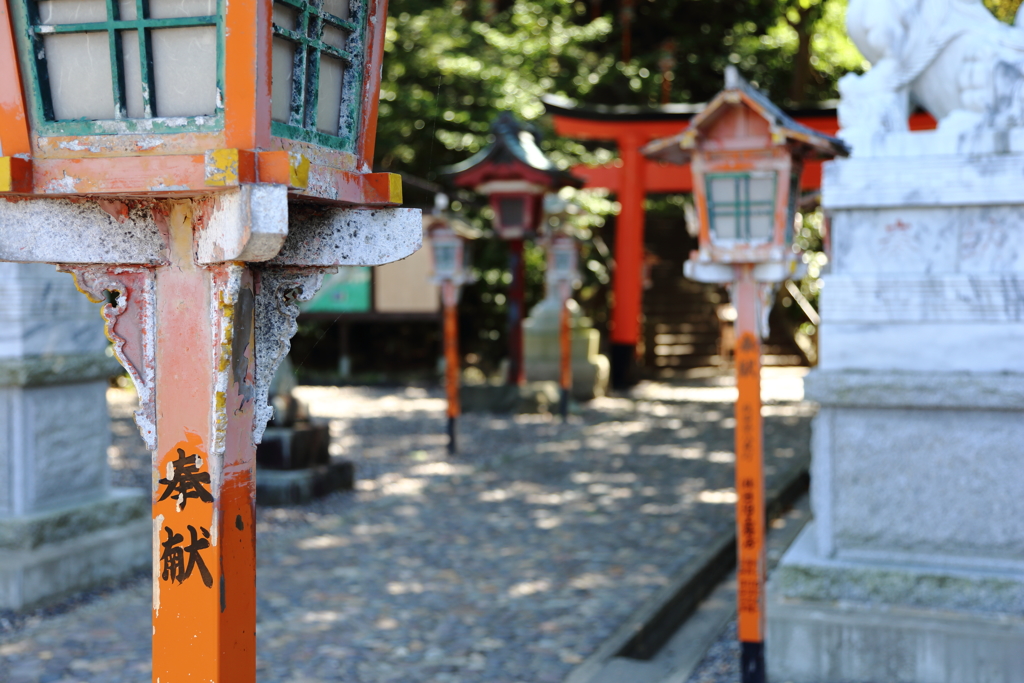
<point>451,65</point>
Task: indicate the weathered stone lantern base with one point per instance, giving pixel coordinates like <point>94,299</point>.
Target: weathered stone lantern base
<point>912,569</point>
<point>590,370</point>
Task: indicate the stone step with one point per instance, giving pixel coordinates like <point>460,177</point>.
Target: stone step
<point>696,360</point>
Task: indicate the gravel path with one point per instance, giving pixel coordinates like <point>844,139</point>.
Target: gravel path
<point>510,562</point>
<point>722,662</point>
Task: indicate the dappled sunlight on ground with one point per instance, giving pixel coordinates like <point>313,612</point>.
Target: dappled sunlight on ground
<point>511,561</point>
<point>514,559</point>
<point>777,384</point>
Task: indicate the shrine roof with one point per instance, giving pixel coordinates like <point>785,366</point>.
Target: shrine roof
<point>562,106</point>
<point>683,112</point>
<point>513,144</point>
<point>460,227</point>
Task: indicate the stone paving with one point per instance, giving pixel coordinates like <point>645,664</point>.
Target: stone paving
<point>509,562</point>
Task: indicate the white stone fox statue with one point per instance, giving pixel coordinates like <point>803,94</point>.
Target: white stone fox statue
<point>951,57</point>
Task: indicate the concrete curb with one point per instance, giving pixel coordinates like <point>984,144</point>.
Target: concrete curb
<point>655,621</point>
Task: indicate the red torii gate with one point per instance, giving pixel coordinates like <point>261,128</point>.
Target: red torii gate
<point>631,177</point>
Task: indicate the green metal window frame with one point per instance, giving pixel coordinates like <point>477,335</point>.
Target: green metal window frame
<point>33,54</point>
<point>309,46</point>
<point>742,208</point>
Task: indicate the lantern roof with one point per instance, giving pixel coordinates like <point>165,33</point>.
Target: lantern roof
<point>807,142</point>
<point>458,226</point>
<point>513,154</point>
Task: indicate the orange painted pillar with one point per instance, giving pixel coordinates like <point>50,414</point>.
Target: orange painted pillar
<point>204,578</point>
<point>449,297</point>
<point>629,258</point>
<point>750,511</point>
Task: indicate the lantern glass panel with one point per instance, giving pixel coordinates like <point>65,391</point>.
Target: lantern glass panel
<point>317,66</point>
<point>286,17</point>
<point>563,261</point>
<point>335,37</point>
<point>99,60</point>
<point>132,74</point>
<point>512,213</point>
<point>79,75</point>
<point>741,206</point>
<point>338,8</point>
<point>127,9</point>
<point>445,258</point>
<point>72,11</point>
<point>281,90</point>
<point>175,9</point>
<point>185,70</point>
<point>328,104</point>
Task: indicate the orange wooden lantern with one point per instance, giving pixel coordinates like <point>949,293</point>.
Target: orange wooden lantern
<point>206,161</point>
<point>562,276</point>
<point>747,158</point>
<point>448,248</point>
<point>170,99</point>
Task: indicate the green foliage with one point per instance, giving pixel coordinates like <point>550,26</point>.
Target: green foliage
<point>801,56</point>
<point>451,65</point>
<point>448,71</point>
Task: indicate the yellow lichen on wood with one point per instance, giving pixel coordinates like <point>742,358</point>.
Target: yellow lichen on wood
<point>15,174</point>
<point>222,167</point>
<point>298,171</point>
<point>395,188</point>
<point>6,176</point>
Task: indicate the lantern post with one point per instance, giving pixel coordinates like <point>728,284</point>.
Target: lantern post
<point>514,174</point>
<point>198,166</point>
<point>450,273</point>
<point>747,157</point>
<point>562,275</point>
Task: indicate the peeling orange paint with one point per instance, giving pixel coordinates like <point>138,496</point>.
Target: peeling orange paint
<point>284,168</point>
<point>204,632</point>
<point>14,124</point>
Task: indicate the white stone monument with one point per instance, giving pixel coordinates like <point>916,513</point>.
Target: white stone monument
<point>913,568</point>
<point>62,526</point>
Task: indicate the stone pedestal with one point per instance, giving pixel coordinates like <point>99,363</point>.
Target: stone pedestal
<point>912,570</point>
<point>62,526</point>
<point>542,350</point>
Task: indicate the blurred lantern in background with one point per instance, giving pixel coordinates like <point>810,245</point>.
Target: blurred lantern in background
<point>747,158</point>
<point>450,273</point>
<point>514,174</point>
<point>563,268</point>
<point>516,205</point>
<point>562,277</point>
